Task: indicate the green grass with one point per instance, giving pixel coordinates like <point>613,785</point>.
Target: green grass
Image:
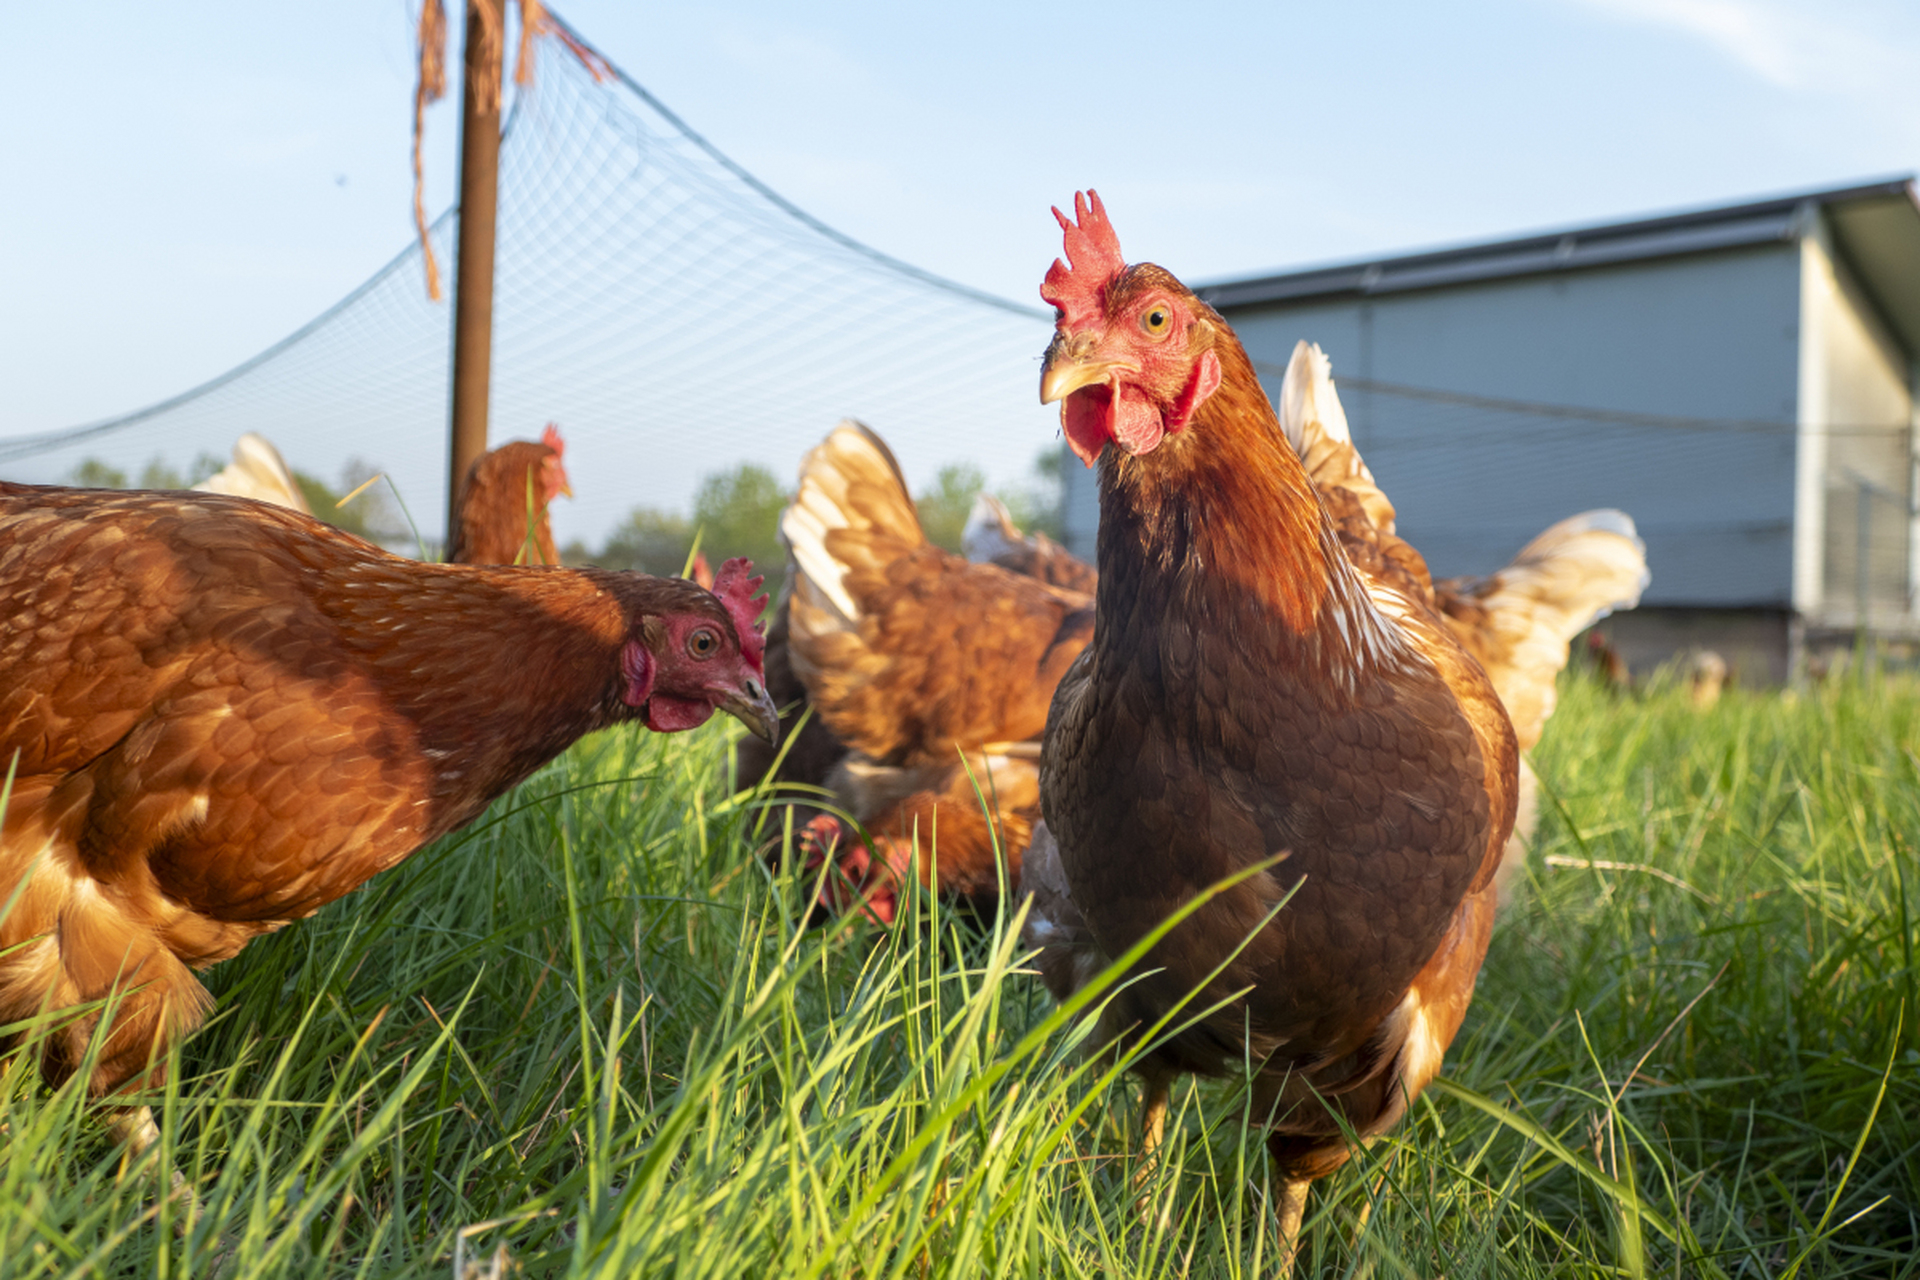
<point>586,1032</point>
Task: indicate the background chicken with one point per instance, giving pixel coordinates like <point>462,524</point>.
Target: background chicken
<point>1518,622</point>
<point>992,537</point>
<point>503,503</point>
<point>1269,678</point>
<point>259,472</point>
<point>928,676</point>
<point>503,499</point>
<point>222,715</point>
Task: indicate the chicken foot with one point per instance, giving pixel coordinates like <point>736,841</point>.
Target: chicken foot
<point>135,1129</point>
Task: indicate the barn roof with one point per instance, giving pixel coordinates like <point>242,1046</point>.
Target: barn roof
<point>1875,227</point>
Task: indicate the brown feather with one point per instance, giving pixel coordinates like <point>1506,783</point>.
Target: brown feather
<point>912,658</point>
<point>1269,677</point>
<point>503,508</point>
<point>223,715</point>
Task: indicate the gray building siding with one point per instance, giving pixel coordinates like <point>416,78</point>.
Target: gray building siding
<point>1712,336</point>
<point>1742,379</point>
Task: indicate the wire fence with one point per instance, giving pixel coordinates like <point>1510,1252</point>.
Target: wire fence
<point>1474,477</point>
<point>672,314</point>
<point>676,317</point>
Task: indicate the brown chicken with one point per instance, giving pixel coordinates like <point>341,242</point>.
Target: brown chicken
<point>504,500</point>
<point>910,739</point>
<point>1518,621</point>
<point>1269,679</point>
<point>221,715</point>
<point>992,537</point>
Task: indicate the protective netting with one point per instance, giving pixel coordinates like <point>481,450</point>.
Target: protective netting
<point>1473,478</point>
<point>668,311</point>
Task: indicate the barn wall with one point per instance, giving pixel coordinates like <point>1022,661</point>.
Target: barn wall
<point>1857,413</point>
<point>1712,336</point>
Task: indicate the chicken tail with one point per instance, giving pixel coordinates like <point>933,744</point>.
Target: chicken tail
<point>257,471</point>
<point>1519,621</point>
<point>1316,427</point>
<point>851,519</point>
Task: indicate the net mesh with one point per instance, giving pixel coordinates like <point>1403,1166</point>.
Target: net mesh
<point>676,317</point>
<point>1474,478</point>
<point>673,315</point>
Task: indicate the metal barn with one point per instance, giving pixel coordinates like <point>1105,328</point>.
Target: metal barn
<point>1742,380</point>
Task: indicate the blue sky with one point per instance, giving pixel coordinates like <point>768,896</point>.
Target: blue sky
<point>186,183</point>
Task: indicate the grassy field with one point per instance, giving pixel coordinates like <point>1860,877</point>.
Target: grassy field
<point>584,1038</point>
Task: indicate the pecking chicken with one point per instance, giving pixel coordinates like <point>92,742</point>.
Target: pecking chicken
<point>1269,678</point>
<point>928,678</point>
<point>503,503</point>
<point>220,716</point>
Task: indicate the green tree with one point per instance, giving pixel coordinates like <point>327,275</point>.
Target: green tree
<point>321,498</point>
<point>95,474</point>
<point>372,514</point>
<point>204,465</point>
<point>1035,504</point>
<point>648,540</point>
<point>944,507</point>
<point>735,513</point>
<point>158,475</point>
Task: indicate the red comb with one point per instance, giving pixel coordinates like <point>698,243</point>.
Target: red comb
<point>735,585</point>
<point>1095,253</point>
<point>551,438</point>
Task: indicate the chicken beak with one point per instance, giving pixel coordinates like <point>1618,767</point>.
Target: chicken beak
<point>1060,378</point>
<point>751,706</point>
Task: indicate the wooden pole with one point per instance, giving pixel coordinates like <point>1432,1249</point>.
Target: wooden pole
<point>473,287</point>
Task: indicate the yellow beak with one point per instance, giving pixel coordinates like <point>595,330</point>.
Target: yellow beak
<point>1058,380</point>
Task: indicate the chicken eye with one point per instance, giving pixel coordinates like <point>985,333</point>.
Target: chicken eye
<point>1154,320</point>
<point>702,643</point>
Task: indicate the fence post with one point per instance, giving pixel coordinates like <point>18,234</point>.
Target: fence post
<point>486,40</point>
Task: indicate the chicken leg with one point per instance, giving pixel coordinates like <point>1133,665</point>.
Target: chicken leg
<point>1153,1128</point>
<point>1153,1113</point>
<point>1290,1206</point>
<point>135,1129</point>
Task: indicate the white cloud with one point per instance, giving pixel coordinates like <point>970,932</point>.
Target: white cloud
<point>1833,46</point>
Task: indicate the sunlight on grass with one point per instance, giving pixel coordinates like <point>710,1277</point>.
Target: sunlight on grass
<point>588,1037</point>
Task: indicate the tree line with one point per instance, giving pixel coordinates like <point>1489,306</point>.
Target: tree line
<point>735,511</point>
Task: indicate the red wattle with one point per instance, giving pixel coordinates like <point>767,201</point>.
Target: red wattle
<point>668,714</point>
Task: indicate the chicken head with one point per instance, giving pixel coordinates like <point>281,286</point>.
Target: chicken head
<point>1132,352</point>
<point>553,470</point>
<point>682,667</point>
